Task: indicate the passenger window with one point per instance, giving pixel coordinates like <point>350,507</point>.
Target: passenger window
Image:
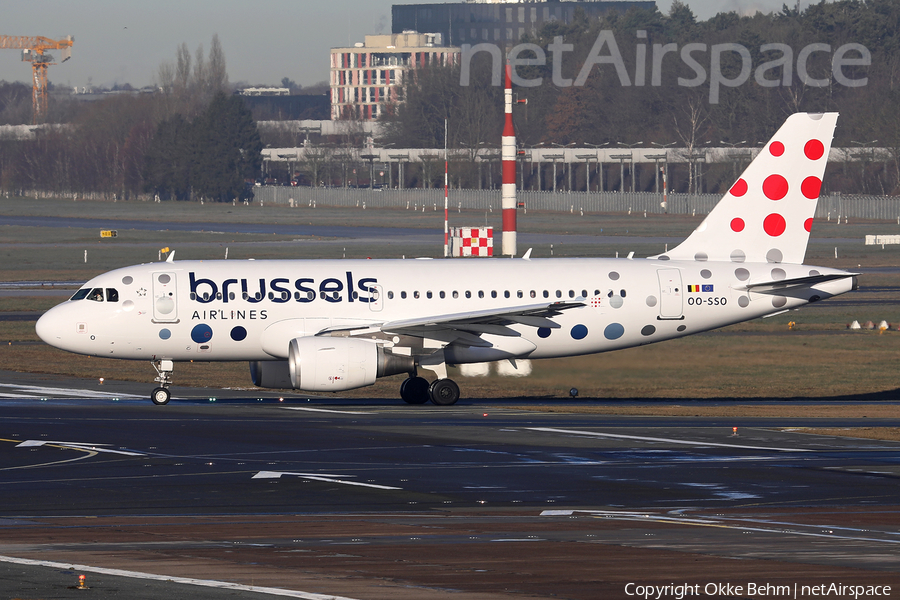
<point>622,293</point>
<point>480,294</point>
<point>546,294</point>
<point>519,294</point>
<point>428,295</point>
<point>416,294</point>
<point>558,294</point>
<point>506,294</point>
<point>456,294</point>
<point>493,293</point>
<point>468,294</point>
<point>390,295</point>
<point>80,294</point>
<point>96,295</point>
<point>584,293</point>
<point>403,295</point>
<point>443,295</point>
<point>533,294</point>
<point>571,293</point>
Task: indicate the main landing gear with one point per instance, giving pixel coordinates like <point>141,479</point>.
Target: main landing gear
<point>416,390</point>
<point>164,369</point>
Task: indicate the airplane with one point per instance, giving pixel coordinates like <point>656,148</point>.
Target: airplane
<point>333,325</point>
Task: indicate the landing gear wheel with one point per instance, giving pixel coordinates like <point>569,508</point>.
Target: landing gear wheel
<point>414,390</point>
<point>444,392</point>
<point>160,396</point>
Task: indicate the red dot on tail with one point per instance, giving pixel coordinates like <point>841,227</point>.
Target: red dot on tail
<point>774,225</point>
<point>808,225</point>
<point>739,188</point>
<point>814,149</point>
<point>775,187</point>
<point>737,224</point>
<point>810,187</point>
<point>776,148</point>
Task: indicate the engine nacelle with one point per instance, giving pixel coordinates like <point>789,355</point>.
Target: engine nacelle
<point>270,374</point>
<point>332,364</point>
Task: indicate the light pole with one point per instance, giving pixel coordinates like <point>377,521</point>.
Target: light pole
<point>371,158</point>
<point>587,158</point>
<point>865,152</point>
<point>631,158</point>
<point>736,157</point>
<point>400,158</point>
<point>567,163</point>
<point>599,165</point>
<point>554,158</point>
<point>665,159</point>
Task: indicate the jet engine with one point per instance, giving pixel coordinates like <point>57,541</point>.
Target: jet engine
<point>329,364</point>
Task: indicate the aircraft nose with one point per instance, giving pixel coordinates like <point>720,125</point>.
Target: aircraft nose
<point>50,327</point>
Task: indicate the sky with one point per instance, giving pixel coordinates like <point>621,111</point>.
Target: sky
<point>122,41</point>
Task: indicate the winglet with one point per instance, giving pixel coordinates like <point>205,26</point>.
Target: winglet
<point>171,257</point>
<point>527,255</point>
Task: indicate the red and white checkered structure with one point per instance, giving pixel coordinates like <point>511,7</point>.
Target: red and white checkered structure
<point>472,241</point>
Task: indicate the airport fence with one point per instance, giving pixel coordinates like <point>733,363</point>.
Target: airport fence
<point>829,207</point>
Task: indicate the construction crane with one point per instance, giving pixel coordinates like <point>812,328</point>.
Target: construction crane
<point>34,50</point>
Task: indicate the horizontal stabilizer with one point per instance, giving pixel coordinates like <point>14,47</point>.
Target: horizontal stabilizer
<point>764,287</point>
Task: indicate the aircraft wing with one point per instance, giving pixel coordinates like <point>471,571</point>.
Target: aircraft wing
<point>466,327</point>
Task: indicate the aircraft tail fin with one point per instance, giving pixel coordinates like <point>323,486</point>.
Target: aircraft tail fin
<point>767,214</point>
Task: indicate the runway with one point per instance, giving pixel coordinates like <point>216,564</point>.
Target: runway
<point>377,499</point>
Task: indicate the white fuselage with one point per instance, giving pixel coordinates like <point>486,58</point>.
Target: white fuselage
<point>251,310</point>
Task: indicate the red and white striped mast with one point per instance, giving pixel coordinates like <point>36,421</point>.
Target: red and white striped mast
<point>508,156</point>
<point>446,212</point>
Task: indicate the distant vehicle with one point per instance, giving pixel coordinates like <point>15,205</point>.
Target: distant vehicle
<point>331,325</point>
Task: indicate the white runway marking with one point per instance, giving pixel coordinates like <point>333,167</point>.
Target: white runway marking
<point>321,477</point>
<point>35,391</point>
<point>666,440</point>
<point>77,446</point>
<point>224,585</point>
<point>325,410</point>
<point>757,525</point>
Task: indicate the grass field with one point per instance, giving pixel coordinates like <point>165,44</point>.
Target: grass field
<point>758,359</point>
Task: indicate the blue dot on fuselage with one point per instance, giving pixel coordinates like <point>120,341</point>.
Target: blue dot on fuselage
<point>201,333</point>
<point>613,331</point>
<point>579,332</point>
<point>543,332</point>
<point>164,334</point>
<point>238,333</point>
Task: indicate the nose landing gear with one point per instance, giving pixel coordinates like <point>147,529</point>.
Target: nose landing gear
<point>164,369</point>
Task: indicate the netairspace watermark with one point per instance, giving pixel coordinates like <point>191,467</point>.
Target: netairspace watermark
<point>703,59</point>
<point>822,590</point>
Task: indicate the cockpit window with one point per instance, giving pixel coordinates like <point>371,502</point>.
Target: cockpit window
<point>112,295</point>
<point>80,294</point>
<point>96,295</point>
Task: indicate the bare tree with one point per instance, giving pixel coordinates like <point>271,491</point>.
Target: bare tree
<point>691,122</point>
<point>216,74</point>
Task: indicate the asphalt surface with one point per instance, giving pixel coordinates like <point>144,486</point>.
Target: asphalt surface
<point>372,498</point>
<point>344,232</point>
